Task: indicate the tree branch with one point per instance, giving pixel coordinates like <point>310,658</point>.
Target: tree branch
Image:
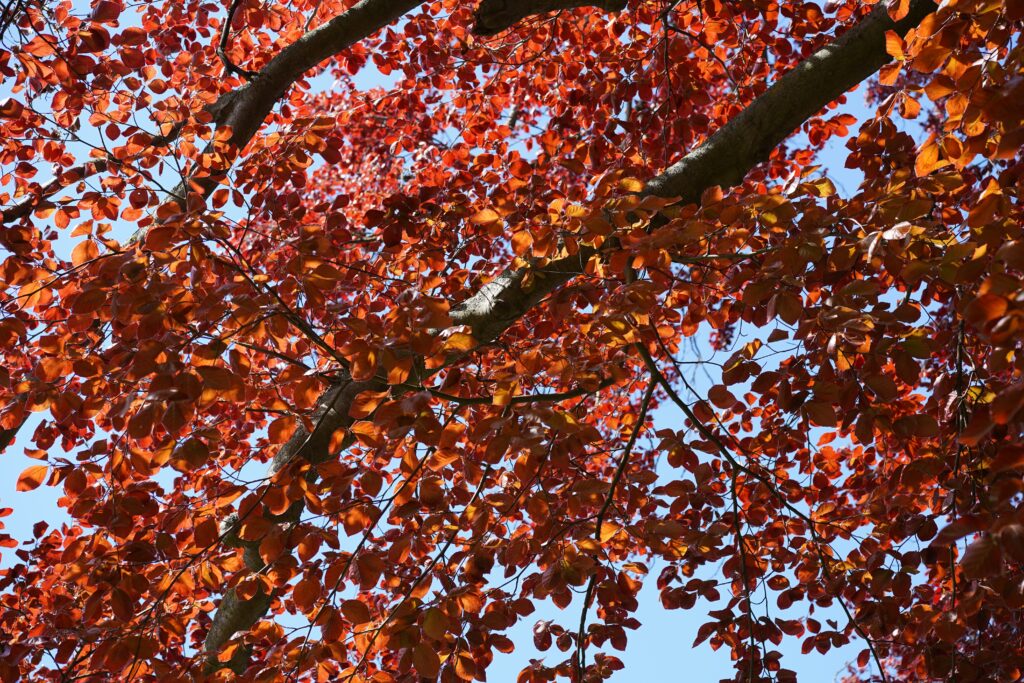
<point>222,47</point>
<point>581,642</point>
<point>245,108</point>
<point>74,174</point>
<point>724,159</point>
<point>60,181</point>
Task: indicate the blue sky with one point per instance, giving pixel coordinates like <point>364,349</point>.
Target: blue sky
<point>659,650</point>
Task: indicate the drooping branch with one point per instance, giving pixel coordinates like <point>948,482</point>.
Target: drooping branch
<point>494,16</point>
<point>724,160</point>
<point>728,155</point>
<point>737,467</point>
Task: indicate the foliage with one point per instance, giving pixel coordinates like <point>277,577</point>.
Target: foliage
<point>385,362</point>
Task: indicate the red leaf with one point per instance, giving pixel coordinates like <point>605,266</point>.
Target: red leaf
<point>306,593</point>
<point>982,558</point>
<point>11,108</point>
<point>427,662</point>
<point>356,611</point>
<point>106,11</point>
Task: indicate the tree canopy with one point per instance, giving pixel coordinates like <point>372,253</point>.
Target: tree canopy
<point>339,382</point>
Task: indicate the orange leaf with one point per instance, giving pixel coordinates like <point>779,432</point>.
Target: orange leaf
<point>982,558</point>
<point>365,403</point>
<point>398,368</point>
<point>84,251</point>
<point>435,623</point>
<point>721,397</point>
<point>521,242</point>
<point>485,217</point>
<point>928,159</point>
<point>909,107</point>
<point>821,413</point>
<point>898,9</point>
<point>1007,404</point>
<point>608,530</point>
<point>631,185</point>
<point>32,478</point>
<point>459,342</point>
<point>281,429</point>
<point>894,45</point>
<point>465,667</point>
<point>984,308</point>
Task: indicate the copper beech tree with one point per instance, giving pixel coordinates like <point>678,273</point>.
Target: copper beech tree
<point>340,382</point>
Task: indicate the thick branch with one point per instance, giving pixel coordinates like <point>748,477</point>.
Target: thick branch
<point>494,16</point>
<point>246,108</point>
<point>723,160</point>
<point>726,157</point>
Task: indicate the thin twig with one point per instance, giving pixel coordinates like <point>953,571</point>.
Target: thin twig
<point>581,645</point>
<point>222,47</point>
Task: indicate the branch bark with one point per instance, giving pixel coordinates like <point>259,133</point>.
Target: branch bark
<point>723,160</point>
<point>726,157</point>
<point>245,108</point>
